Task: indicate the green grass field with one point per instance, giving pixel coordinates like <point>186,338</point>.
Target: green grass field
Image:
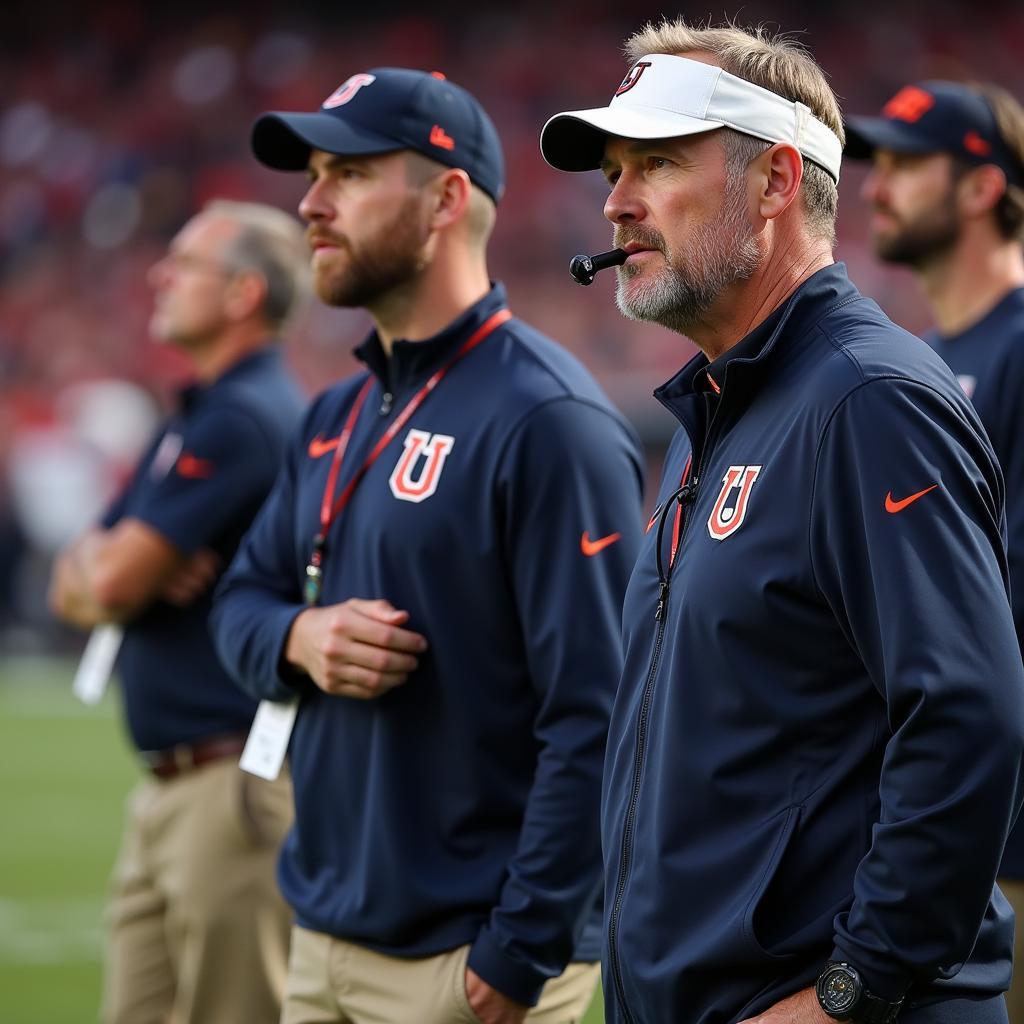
<point>65,772</point>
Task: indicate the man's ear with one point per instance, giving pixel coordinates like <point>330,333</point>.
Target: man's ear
<point>245,294</point>
<point>980,190</point>
<point>450,198</point>
<point>777,175</point>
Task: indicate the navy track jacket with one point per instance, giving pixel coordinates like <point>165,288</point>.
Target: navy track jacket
<point>988,360</point>
<point>463,806</point>
<point>815,751</point>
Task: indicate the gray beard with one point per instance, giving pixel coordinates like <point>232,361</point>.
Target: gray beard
<point>718,255</point>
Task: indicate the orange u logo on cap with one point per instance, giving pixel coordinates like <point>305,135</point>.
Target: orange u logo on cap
<point>909,104</point>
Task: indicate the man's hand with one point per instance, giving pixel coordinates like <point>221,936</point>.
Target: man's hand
<point>191,579</point>
<point>800,1008</point>
<point>354,649</point>
<point>489,1005</point>
<point>112,575</point>
<point>69,596</point>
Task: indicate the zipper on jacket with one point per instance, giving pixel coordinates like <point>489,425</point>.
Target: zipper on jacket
<point>684,496</point>
<point>626,852</point>
<point>662,599</point>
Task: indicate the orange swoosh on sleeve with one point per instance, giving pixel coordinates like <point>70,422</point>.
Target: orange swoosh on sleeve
<point>592,547</point>
<point>193,468</point>
<point>319,447</point>
<point>893,506</point>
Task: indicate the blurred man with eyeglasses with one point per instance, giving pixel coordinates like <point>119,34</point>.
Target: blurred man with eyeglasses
<point>198,930</point>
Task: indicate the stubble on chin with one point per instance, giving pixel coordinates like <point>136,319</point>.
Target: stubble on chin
<point>665,299</point>
<point>679,294</point>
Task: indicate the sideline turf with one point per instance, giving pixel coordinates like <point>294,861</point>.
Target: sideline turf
<point>64,772</point>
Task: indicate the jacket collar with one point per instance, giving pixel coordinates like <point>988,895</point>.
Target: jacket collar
<point>753,357</point>
<point>413,360</point>
<point>267,356</point>
<point>747,350</point>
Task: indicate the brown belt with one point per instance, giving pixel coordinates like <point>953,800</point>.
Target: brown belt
<point>183,757</point>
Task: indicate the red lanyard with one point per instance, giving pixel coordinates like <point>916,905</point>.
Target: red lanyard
<point>679,515</point>
<point>662,516</point>
<point>331,508</point>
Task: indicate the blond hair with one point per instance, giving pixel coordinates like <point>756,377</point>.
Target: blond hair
<point>482,213</point>
<point>773,62</point>
<point>1009,117</point>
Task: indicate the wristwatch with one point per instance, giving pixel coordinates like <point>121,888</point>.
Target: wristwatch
<point>843,996</point>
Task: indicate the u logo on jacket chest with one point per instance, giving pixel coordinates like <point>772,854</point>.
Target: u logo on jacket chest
<point>730,507</point>
<point>419,467</point>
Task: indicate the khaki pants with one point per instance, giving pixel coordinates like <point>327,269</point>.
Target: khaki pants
<point>198,931</point>
<point>331,981</point>
<point>1014,892</point>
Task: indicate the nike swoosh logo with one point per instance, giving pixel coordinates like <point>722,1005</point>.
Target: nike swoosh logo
<point>592,547</point>
<point>192,468</point>
<point>319,447</point>
<point>891,505</point>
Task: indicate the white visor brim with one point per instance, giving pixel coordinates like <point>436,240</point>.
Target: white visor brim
<point>665,97</point>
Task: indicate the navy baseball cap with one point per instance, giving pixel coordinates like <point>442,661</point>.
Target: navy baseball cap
<point>384,110</point>
<point>935,117</point>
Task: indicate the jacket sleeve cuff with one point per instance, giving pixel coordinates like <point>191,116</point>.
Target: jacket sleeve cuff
<point>880,982</point>
<point>289,681</point>
<point>510,976</point>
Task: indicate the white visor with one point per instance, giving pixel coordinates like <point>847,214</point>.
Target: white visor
<point>664,97</point>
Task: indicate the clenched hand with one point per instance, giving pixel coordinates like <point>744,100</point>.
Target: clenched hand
<point>356,648</point>
<point>191,579</point>
<point>489,1005</point>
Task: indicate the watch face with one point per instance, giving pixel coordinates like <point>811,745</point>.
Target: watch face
<point>838,989</point>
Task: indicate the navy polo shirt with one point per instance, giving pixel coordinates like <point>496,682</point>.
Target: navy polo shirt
<point>199,485</point>
<point>988,360</point>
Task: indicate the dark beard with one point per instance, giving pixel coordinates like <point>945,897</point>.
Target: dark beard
<point>916,244</point>
<point>380,265</point>
<point>919,246</point>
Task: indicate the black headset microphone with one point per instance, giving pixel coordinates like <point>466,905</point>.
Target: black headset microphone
<point>583,268</point>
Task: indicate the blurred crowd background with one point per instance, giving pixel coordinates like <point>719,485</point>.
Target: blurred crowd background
<point>119,120</point>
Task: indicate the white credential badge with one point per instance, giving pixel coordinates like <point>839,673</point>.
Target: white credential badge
<point>97,663</point>
<point>267,745</point>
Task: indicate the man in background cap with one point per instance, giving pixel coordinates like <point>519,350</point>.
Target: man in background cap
<point>437,579</point>
<point>815,747</point>
<point>198,930</point>
<point>946,191</point>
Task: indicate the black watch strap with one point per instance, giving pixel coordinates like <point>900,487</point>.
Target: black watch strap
<point>843,995</point>
<point>873,1010</point>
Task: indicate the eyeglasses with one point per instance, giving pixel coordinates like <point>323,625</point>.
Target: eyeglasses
<point>190,261</point>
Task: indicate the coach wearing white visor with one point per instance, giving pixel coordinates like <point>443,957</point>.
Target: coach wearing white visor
<point>814,754</point>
